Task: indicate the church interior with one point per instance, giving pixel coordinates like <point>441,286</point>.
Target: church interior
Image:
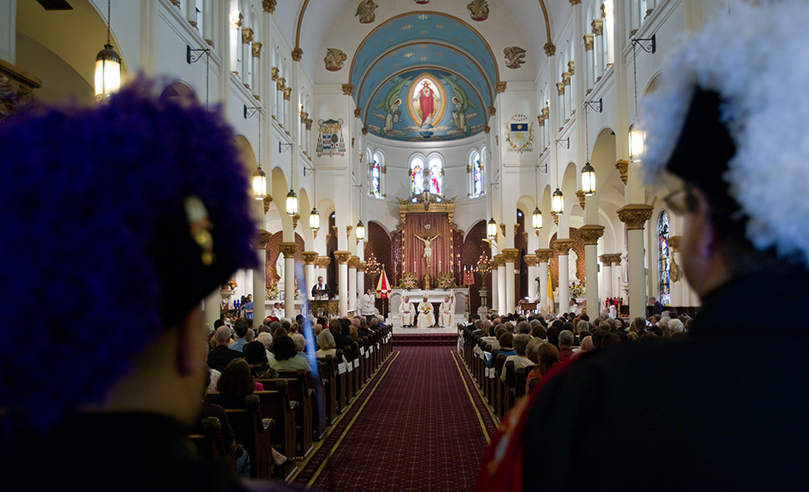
<point>472,156</point>
<point>500,129</point>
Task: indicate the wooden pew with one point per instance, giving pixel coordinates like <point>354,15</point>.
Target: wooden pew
<point>499,385</point>
<point>252,430</point>
<point>277,405</point>
<point>329,373</point>
<point>211,444</point>
<point>300,390</point>
<point>520,377</point>
<point>510,396</point>
<point>342,381</point>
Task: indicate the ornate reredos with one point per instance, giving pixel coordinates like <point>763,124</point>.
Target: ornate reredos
<point>426,203</point>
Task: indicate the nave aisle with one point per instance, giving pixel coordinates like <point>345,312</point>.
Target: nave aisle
<point>419,424</point>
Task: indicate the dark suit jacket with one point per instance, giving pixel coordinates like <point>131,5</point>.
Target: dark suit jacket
<point>325,288</point>
<point>721,408</point>
<point>219,357</point>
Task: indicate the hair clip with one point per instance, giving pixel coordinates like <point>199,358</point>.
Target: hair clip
<point>199,228</point>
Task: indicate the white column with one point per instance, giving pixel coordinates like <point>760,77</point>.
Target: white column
<point>533,273</point>
<point>510,257</point>
<point>635,216</point>
<point>361,278</point>
<point>342,286</point>
<point>543,257</point>
<point>289,286</point>
<point>501,284</point>
<point>212,306</point>
<point>590,234</point>
<point>352,284</point>
<point>606,277</point>
<point>259,285</point>
<point>564,283</point>
<point>309,259</point>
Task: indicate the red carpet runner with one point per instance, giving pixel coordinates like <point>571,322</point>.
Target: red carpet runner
<point>414,427</point>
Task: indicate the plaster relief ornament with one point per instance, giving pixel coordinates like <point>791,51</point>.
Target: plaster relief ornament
<point>478,10</point>
<point>365,11</point>
<point>334,59</point>
<point>520,137</point>
<point>515,56</point>
<point>391,105</point>
<point>330,140</point>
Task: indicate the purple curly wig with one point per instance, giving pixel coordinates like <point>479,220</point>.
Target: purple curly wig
<point>97,252</point>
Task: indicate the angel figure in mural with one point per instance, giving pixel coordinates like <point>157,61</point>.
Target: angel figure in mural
<point>428,100</point>
<point>478,10</point>
<point>365,11</point>
<point>391,104</point>
<point>462,104</point>
<point>428,250</point>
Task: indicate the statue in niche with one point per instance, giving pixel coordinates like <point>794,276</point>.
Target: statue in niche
<point>478,10</point>
<point>572,259</point>
<point>428,250</point>
<point>279,269</point>
<point>365,11</point>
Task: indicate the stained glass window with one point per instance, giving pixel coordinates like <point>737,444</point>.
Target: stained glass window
<point>417,176</point>
<point>477,175</point>
<point>376,175</point>
<point>436,176</point>
<point>664,259</point>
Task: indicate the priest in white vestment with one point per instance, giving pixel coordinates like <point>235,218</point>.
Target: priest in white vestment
<point>446,309</point>
<point>426,316</point>
<point>406,311</point>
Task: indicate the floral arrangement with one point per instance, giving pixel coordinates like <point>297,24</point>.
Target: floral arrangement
<point>271,292</point>
<point>483,267</point>
<point>229,285</point>
<point>408,281</point>
<point>445,280</point>
<point>576,289</point>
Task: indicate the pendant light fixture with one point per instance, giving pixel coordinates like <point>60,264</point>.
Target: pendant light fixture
<point>292,202</point>
<point>536,217</point>
<point>314,215</point>
<point>360,230</point>
<point>259,180</point>
<point>491,229</point>
<point>588,174</point>
<point>108,67</point>
<point>557,202</point>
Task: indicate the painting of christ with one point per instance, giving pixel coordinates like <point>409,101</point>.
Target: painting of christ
<point>426,102</point>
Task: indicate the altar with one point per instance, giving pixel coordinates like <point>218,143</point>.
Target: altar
<point>435,296</point>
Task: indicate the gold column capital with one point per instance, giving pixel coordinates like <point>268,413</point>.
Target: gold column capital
<point>274,71</point>
<point>510,254</point>
<point>322,262</point>
<point>591,233</point>
<point>635,215</point>
<point>361,266</point>
<point>348,89</point>
<point>262,239</point>
<point>581,196</point>
<point>288,249</point>
<point>267,202</point>
<point>342,257</point>
<point>498,261</point>
<point>531,260</point>
<point>353,262</point>
<point>247,35</point>
<point>562,246</point>
<point>269,6</point>
<point>544,254</point>
<point>623,167</point>
<point>309,257</point>
<point>256,49</point>
<point>500,87</point>
<point>588,42</point>
<point>674,243</point>
<point>297,54</point>
<point>550,49</point>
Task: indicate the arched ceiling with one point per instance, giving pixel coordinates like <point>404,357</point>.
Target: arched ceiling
<point>405,38</point>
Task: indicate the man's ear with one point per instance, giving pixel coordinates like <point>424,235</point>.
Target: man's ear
<point>189,338</point>
<point>707,234</point>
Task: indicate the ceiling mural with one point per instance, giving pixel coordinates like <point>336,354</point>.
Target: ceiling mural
<point>424,76</point>
<point>419,105</point>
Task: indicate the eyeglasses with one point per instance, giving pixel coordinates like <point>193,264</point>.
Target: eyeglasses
<point>681,201</point>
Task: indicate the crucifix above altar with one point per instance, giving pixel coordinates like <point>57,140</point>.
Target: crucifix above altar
<point>426,244</point>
